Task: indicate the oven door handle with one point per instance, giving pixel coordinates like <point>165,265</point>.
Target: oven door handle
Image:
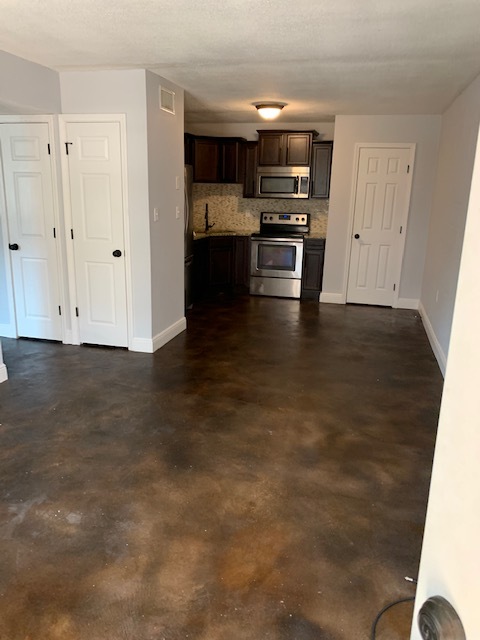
<point>277,239</point>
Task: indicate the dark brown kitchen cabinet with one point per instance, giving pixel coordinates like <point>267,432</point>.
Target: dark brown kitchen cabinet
<point>312,273</point>
<point>321,167</point>
<point>242,264</point>
<point>221,265</point>
<point>232,161</point>
<point>251,161</point>
<point>206,160</point>
<point>271,149</point>
<point>285,148</point>
<point>218,159</point>
<point>188,148</point>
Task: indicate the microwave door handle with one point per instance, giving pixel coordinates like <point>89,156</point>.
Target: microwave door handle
<point>295,185</point>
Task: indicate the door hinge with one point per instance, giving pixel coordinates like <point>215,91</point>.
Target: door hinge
<point>59,310</point>
<point>54,233</point>
<point>394,287</point>
<point>401,229</point>
<point>76,311</point>
<point>48,148</point>
<point>408,168</point>
<point>71,233</point>
<point>66,147</point>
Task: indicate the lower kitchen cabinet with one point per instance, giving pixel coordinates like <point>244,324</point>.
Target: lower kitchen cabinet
<point>221,265</point>
<point>242,264</point>
<point>221,255</point>
<point>312,275</point>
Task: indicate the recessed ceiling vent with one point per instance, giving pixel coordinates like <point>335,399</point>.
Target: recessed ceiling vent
<point>167,100</point>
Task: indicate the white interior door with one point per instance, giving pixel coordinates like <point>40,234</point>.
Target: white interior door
<point>380,212</point>
<point>96,200</point>
<point>27,174</point>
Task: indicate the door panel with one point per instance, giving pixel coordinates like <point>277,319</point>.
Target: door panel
<point>31,221</point>
<point>96,200</point>
<point>381,201</point>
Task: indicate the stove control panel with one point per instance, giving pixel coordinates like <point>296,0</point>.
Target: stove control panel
<point>284,218</point>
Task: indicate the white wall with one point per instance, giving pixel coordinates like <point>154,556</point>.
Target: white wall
<point>165,167</point>
<point>456,155</point>
<point>450,562</point>
<point>123,92</point>
<point>249,130</point>
<point>422,130</point>
<point>26,87</point>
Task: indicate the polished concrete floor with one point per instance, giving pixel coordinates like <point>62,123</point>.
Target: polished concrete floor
<point>264,476</point>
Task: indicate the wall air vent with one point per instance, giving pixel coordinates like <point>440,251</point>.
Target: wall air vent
<point>167,100</point>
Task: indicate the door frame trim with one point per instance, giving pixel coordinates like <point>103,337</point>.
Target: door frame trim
<point>119,118</point>
<point>60,254</point>
<point>404,219</point>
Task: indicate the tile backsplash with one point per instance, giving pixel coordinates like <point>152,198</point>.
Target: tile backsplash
<point>229,210</point>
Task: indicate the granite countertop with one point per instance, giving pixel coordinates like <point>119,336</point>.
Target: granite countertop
<point>198,235</point>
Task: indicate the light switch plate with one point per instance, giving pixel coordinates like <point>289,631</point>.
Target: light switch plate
<point>177,212</point>
<point>155,214</point>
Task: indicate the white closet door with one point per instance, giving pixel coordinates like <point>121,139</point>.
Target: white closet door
<point>96,199</point>
<point>27,175</point>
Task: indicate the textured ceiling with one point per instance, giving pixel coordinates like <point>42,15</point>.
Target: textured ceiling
<point>323,58</point>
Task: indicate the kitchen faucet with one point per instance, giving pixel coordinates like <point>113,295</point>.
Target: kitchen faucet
<point>207,226</point>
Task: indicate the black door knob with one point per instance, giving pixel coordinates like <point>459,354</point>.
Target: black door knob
<point>13,247</point>
<point>117,253</point>
<point>356,236</point>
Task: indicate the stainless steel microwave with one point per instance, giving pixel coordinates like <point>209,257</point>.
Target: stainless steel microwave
<point>283,182</point>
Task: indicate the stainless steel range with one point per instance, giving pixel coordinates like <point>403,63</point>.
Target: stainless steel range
<point>277,255</point>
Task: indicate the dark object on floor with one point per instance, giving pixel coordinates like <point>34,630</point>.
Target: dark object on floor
<point>373,634</point>
<point>438,620</point>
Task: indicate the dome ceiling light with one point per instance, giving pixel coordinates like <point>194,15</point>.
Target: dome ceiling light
<point>269,110</point>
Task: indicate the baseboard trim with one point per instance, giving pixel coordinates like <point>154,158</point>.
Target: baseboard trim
<point>434,343</point>
<point>3,373</point>
<point>168,334</point>
<point>332,298</point>
<point>8,331</point>
<point>408,303</point>
<point>146,345</point>
<point>142,345</point>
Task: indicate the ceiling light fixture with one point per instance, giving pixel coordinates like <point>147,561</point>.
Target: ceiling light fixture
<point>269,110</point>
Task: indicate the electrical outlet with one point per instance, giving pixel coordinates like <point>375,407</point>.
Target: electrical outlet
<point>155,214</point>
<point>177,212</point>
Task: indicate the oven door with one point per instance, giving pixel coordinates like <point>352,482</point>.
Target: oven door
<point>276,257</point>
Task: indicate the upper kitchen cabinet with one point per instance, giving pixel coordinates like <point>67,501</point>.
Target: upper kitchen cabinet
<point>285,148</point>
<point>217,159</point>
<point>251,161</point>
<point>321,166</point>
<point>232,160</point>
<point>206,160</point>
